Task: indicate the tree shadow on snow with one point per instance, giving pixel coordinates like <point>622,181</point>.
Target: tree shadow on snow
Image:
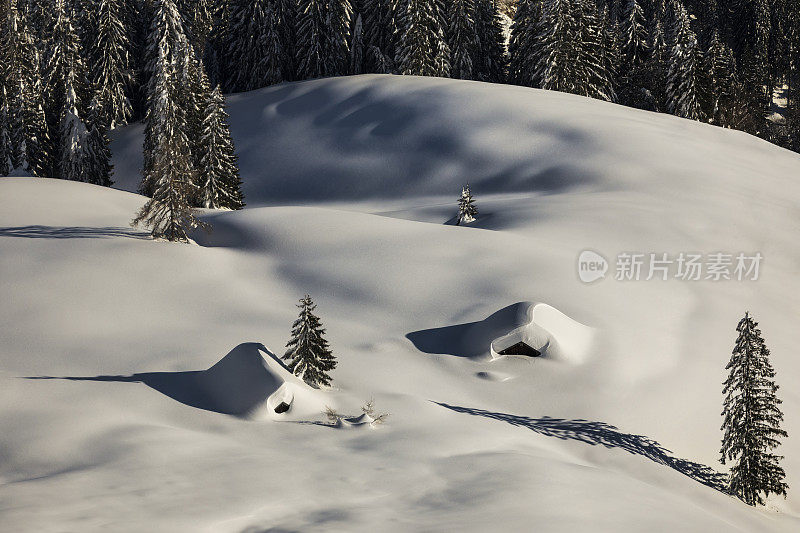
<point>595,433</point>
<point>71,232</point>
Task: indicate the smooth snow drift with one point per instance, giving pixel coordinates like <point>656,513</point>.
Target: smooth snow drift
<point>548,331</point>
<point>244,383</point>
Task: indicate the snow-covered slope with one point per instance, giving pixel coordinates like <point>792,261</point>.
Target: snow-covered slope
<point>116,328</point>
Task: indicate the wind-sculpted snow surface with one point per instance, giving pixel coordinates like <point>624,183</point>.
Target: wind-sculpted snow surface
<point>360,176</point>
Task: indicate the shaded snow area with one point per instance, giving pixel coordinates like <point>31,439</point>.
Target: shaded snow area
<point>140,383</point>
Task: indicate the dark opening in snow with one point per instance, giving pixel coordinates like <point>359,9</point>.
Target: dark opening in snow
<point>281,407</point>
<point>521,349</point>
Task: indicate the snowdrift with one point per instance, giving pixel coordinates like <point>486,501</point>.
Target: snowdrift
<point>541,327</point>
<point>246,384</point>
<point>548,331</point>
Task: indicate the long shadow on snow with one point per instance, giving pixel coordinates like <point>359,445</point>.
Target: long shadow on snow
<point>248,387</point>
<point>595,433</point>
<point>71,232</point>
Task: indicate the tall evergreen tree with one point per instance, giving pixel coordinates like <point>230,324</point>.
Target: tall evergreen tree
<point>109,60</point>
<point>380,19</point>
<point>220,186</point>
<point>169,173</point>
<point>20,72</point>
<point>683,75</point>
<point>492,60</point>
<point>723,105</point>
<point>634,36</point>
<point>422,48</point>
<point>259,49</point>
<point>524,37</point>
<point>322,39</point>
<point>308,352</point>
<point>66,91</point>
<point>463,39</point>
<point>748,33</point>
<point>752,419</point>
<point>6,148</point>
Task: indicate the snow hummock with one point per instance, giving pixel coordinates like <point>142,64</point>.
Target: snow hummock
<point>247,384</point>
<point>549,331</point>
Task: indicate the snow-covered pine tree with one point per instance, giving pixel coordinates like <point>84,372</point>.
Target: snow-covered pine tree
<point>109,62</point>
<point>492,59</point>
<point>20,70</point>
<point>357,45</point>
<point>66,89</point>
<point>99,167</point>
<point>198,18</point>
<point>76,155</point>
<point>308,352</point>
<point>259,50</point>
<point>169,173</point>
<point>467,211</point>
<point>683,74</point>
<point>380,19</point>
<point>656,68</point>
<point>752,419</point>
<point>220,186</point>
<point>566,48</point>
<point>633,36</point>
<point>524,36</point>
<point>599,52</point>
<point>6,148</point>
<point>723,106</point>
<point>748,27</point>
<point>172,85</point>
<point>463,39</point>
<point>422,48</point>
<point>322,41</point>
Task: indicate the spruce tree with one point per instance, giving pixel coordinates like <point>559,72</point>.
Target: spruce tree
<point>220,186</point>
<point>380,19</point>
<point>172,85</point>
<point>422,48</point>
<point>308,353</point>
<point>109,60</point>
<point>169,173</point>
<point>323,38</point>
<point>492,61</point>
<point>684,74</point>
<point>722,101</point>
<point>467,211</point>
<point>259,48</point>
<point>634,36</point>
<point>357,46</point>
<point>463,39</point>
<point>20,70</point>
<point>752,419</point>
<point>524,36</point>
<point>99,167</point>
<point>6,148</point>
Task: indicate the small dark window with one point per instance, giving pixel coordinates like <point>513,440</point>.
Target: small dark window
<point>281,407</point>
<point>521,349</point>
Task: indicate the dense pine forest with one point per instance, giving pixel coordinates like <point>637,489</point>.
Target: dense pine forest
<point>71,70</point>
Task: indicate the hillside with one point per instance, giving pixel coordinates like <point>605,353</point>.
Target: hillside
<point>350,183</point>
